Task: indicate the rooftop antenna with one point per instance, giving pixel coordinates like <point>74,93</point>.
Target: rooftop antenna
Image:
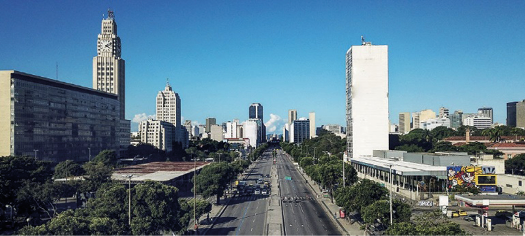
<point>111,15</point>
<point>167,81</point>
<point>362,40</point>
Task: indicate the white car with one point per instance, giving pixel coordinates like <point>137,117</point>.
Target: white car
<point>257,191</point>
<point>264,192</point>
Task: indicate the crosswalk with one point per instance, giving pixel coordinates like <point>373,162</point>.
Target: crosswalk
<point>252,197</point>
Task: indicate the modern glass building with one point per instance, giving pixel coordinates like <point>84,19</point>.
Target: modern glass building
<point>55,121</point>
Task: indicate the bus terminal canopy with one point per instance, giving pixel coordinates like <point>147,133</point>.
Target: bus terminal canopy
<point>401,168</point>
<point>491,200</point>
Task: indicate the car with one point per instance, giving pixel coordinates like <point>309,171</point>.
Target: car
<point>257,192</point>
<point>462,213</point>
<point>471,217</point>
<point>454,214</point>
<point>264,192</point>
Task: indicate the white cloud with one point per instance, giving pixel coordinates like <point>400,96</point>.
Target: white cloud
<point>142,117</point>
<point>273,123</point>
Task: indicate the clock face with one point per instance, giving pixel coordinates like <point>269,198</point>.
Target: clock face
<point>106,45</point>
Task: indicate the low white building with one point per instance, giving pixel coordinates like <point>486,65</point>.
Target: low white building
<point>430,124</point>
<point>480,122</point>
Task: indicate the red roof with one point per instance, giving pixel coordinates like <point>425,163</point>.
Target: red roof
<point>160,166</point>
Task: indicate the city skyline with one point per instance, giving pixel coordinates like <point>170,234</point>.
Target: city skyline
<point>445,54</point>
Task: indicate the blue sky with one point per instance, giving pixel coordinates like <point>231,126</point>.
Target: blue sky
<point>221,56</point>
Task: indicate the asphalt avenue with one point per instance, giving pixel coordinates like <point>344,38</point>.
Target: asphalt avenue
<point>246,215</point>
<point>302,214</point>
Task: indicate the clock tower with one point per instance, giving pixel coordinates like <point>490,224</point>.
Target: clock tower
<point>108,66</point>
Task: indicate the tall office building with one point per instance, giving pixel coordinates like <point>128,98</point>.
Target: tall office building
<point>443,112</point>
<point>299,130</point>
<point>157,133</point>
<point>487,112</point>
<point>367,99</point>
<point>404,122</point>
<point>108,66</point>
<point>511,114</point>
<point>168,106</point>
<point>520,114</point>
<point>209,122</point>
<point>256,111</point>
<point>456,119</point>
<point>292,115</point>
<point>311,117</point>
<point>415,120</point>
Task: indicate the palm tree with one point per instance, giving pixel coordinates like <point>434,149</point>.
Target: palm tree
<point>493,133</point>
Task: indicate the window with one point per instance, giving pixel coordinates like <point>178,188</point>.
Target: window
<point>519,183</point>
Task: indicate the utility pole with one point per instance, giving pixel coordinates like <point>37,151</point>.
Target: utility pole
<point>390,178</point>
<point>344,181</point>
<point>89,149</point>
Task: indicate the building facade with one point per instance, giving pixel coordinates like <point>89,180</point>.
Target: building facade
<point>300,131</point>
<point>169,106</point>
<point>520,114</point>
<point>157,133</point>
<point>456,119</point>
<point>108,66</point>
<point>511,114</point>
<point>252,131</point>
<point>311,117</point>
<point>480,122</point>
<point>404,122</point>
<point>367,99</point>
<point>487,112</point>
<point>292,115</point>
<point>443,112</point>
<point>209,122</point>
<point>256,111</point>
<point>55,121</point>
<point>431,124</point>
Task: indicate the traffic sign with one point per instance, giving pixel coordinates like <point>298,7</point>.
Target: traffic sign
<point>288,178</point>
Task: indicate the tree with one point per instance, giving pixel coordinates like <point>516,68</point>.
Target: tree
<point>97,173</point>
<point>213,180</point>
<point>431,223</point>
<point>107,157</point>
<point>155,208</point>
<point>359,195</point>
<point>515,165</point>
<point>380,211</point>
<point>441,132</point>
<point>66,169</point>
<point>444,147</point>
<point>201,207</point>
<point>493,133</point>
<point>16,172</point>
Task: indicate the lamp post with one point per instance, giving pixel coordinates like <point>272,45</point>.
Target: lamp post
<point>36,151</point>
<point>129,197</point>
<point>194,191</point>
<point>89,150</point>
<point>390,178</point>
<point>344,181</point>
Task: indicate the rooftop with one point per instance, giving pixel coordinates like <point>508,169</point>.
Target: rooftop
<point>402,167</point>
<point>156,171</point>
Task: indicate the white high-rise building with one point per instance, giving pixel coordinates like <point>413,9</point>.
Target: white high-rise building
<point>311,117</point>
<point>252,131</point>
<point>292,115</point>
<point>108,67</point>
<point>367,99</point>
<point>168,106</point>
<point>232,129</point>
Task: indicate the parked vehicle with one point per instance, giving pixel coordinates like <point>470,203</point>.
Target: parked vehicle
<point>503,214</point>
<point>471,217</point>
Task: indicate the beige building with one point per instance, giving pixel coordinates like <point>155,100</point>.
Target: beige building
<point>168,106</point>
<point>108,67</point>
<point>55,121</point>
<point>404,122</point>
<point>157,133</point>
<point>216,133</point>
<point>311,117</point>
<point>520,114</point>
<point>292,115</point>
<point>425,115</point>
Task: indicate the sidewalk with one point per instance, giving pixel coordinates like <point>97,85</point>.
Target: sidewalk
<point>330,208</point>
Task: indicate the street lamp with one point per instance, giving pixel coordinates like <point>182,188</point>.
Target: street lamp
<point>89,149</point>
<point>390,193</point>
<point>129,199</point>
<point>36,150</point>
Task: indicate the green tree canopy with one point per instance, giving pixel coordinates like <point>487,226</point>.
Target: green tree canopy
<point>107,157</point>
<point>213,179</point>
<point>515,165</point>
<point>431,223</point>
<point>359,195</point>
<point>67,168</point>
